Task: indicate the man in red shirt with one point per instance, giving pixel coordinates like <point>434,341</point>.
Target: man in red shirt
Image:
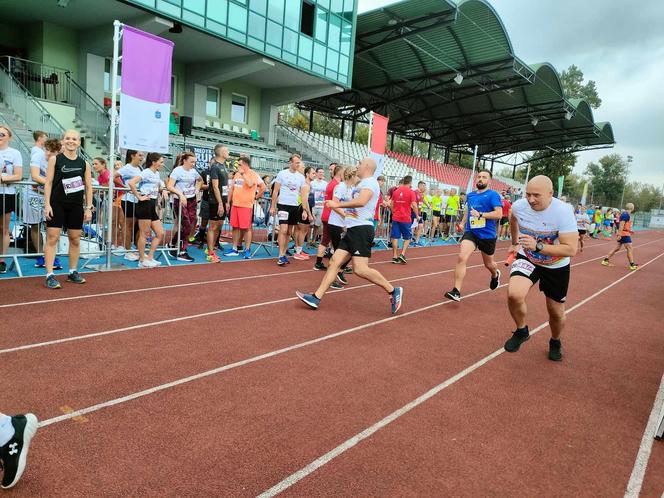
<point>337,174</point>
<point>505,220</point>
<point>403,201</point>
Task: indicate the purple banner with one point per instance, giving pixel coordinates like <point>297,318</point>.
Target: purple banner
<point>146,66</point>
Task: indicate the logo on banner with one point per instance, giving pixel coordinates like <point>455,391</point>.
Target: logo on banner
<point>157,114</point>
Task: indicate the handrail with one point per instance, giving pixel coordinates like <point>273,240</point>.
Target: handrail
<point>89,113</point>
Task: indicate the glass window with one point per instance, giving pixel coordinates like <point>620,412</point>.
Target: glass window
<point>324,4</point>
<point>319,54</point>
<point>289,57</point>
<point>292,16</point>
<point>107,75</point>
<point>273,51</point>
<point>335,32</point>
<point>306,46</point>
<point>290,41</point>
<point>337,6</point>
<point>237,17</point>
<point>212,102</point>
<point>237,36</point>
<point>343,64</point>
<point>274,33</point>
<point>259,6</point>
<point>257,44</point>
<point>239,108</point>
<point>218,10</point>
<point>303,63</point>
<point>349,8</point>
<point>346,31</point>
<point>332,60</point>
<point>193,18</point>
<point>216,27</point>
<point>321,25</point>
<point>197,6</point>
<point>275,10</point>
<point>168,8</point>
<point>256,25</point>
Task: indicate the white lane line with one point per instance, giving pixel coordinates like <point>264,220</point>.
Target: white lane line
<point>369,431</point>
<point>190,284</point>
<point>263,356</point>
<point>641,463</point>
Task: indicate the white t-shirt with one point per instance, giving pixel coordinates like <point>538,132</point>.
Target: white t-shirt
<point>318,188</point>
<point>127,172</point>
<point>150,183</point>
<point>343,193</point>
<point>9,159</point>
<point>289,187</point>
<point>38,159</point>
<point>582,221</point>
<point>545,226</point>
<point>185,180</point>
<point>363,216</point>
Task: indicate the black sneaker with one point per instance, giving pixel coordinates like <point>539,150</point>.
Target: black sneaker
<point>184,256</point>
<point>3,267</point>
<point>395,261</point>
<point>555,354</point>
<point>75,278</point>
<point>320,267</point>
<point>14,454</point>
<point>403,259</point>
<point>289,252</point>
<point>495,281</point>
<point>454,295</point>
<point>328,254</point>
<point>342,278</point>
<point>336,285</point>
<point>348,270</point>
<point>519,336</point>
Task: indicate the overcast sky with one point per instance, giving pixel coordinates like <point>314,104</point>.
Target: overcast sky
<point>619,45</point>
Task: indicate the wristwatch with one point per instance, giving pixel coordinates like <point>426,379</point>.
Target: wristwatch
<point>539,246</point>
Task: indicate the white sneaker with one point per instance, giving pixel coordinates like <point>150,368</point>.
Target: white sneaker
<point>131,256</point>
<point>148,263</point>
<point>118,249</point>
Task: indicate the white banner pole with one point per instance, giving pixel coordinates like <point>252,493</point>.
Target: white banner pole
<point>370,132</point>
<point>117,25</point>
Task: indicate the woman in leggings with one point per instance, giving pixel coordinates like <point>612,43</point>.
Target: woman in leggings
<point>130,170</point>
<point>68,178</point>
<point>146,188</point>
<point>185,182</point>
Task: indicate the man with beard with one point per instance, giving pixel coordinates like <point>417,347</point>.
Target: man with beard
<point>482,210</point>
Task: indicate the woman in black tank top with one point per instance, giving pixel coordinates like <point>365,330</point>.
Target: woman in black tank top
<point>68,185</point>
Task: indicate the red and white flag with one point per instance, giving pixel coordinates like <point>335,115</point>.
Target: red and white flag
<point>378,141</point>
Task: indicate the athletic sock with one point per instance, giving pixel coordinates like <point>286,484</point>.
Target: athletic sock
<point>50,275</point>
<point>72,271</point>
<point>298,249</point>
<point>522,331</point>
<point>6,429</point>
<point>319,260</point>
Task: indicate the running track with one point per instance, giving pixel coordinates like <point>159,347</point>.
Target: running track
<point>216,381</point>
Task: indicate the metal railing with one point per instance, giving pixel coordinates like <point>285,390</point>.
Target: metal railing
<point>314,148</point>
<point>93,118</point>
<point>41,80</point>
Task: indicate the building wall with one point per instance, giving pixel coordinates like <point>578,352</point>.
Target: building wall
<point>60,47</point>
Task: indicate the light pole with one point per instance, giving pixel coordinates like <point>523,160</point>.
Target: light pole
<point>622,197</point>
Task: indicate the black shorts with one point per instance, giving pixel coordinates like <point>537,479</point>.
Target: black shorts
<point>147,210</point>
<point>357,241</point>
<point>129,209</point>
<point>66,216</point>
<point>335,233</point>
<point>504,220</point>
<point>212,212</point>
<point>487,246</point>
<point>424,216</point>
<point>288,215</point>
<point>204,209</point>
<point>447,218</point>
<point>7,203</point>
<point>300,213</point>
<point>583,232</point>
<point>436,214</point>
<point>553,282</point>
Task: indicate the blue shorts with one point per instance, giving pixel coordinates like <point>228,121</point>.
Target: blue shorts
<point>401,229</point>
<point>625,240</point>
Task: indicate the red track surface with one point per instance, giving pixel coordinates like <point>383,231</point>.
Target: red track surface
<point>519,425</point>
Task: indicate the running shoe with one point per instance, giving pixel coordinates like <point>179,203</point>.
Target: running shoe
<point>395,299</point>
<point>348,270</point>
<point>403,259</point>
<point>184,256</point>
<point>555,354</point>
<point>3,267</point>
<point>301,256</point>
<point>131,256</point>
<point>320,267</point>
<point>231,252</point>
<point>75,278</point>
<point>247,254</point>
<point>495,281</point>
<point>40,263</point>
<point>282,261</point>
<point>148,263</point>
<point>52,282</point>
<point>396,261</point>
<point>14,454</point>
<point>336,285</point>
<point>309,299</point>
<point>454,295</point>
<point>212,258</point>
<point>605,262</point>
<point>633,266</point>
<point>342,278</point>
<point>519,336</point>
<point>192,239</point>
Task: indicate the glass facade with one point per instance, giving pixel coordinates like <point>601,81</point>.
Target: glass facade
<point>313,35</point>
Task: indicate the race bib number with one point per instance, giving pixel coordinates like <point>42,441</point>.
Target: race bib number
<point>477,222</point>
<point>189,190</point>
<point>224,190</point>
<point>319,197</point>
<point>282,215</point>
<point>239,183</point>
<point>73,185</point>
<point>522,266</point>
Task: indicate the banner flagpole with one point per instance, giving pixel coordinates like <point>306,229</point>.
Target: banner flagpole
<point>370,132</point>
<point>469,187</point>
<point>117,26</point>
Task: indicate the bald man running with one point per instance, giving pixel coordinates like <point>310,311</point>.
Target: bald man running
<point>356,243</point>
<point>544,234</point>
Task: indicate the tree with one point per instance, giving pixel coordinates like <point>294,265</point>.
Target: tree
<point>608,178</point>
<point>574,87</point>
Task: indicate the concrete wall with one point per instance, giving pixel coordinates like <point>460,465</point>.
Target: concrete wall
<point>63,113</point>
<point>60,47</point>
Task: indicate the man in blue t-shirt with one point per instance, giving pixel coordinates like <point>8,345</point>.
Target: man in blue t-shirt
<point>482,210</point>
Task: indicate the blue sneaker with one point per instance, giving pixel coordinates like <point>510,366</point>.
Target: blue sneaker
<point>395,299</point>
<point>282,261</point>
<point>247,254</point>
<point>40,263</point>
<point>52,282</point>
<point>309,299</point>
<point>231,252</point>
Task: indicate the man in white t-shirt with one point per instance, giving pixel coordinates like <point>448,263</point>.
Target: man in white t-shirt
<point>582,223</point>
<point>356,243</point>
<point>545,235</point>
<point>286,203</point>
<point>318,186</point>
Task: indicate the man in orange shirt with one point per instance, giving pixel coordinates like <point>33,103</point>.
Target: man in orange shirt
<point>245,187</point>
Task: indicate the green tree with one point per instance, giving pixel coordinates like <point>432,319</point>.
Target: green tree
<point>575,88</point>
<point>608,178</point>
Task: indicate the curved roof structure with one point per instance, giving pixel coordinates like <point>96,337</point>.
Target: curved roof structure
<point>448,73</point>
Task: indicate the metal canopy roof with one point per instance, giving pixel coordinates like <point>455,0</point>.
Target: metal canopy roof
<point>448,73</point>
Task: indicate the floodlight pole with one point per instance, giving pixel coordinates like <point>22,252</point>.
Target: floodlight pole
<point>117,26</point>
